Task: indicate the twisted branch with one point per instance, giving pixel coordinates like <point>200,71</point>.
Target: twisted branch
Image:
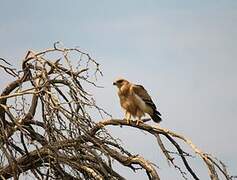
<point>46,129</point>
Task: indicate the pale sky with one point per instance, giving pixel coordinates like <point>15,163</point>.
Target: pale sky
<point>183,52</point>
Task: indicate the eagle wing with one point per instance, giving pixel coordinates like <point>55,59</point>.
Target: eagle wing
<point>140,91</point>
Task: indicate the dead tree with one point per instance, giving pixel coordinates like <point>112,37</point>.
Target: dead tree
<point>46,130</point>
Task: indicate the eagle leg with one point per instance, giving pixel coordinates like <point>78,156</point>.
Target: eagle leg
<point>128,117</point>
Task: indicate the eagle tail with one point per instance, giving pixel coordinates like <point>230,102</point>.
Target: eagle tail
<point>156,117</point>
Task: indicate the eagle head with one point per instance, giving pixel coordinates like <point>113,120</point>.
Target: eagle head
<point>120,82</point>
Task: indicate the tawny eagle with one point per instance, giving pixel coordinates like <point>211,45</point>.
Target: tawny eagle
<point>136,102</point>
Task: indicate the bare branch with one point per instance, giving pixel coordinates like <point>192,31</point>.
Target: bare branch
<point>46,129</point>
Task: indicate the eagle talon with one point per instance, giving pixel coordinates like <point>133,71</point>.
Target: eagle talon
<point>139,121</point>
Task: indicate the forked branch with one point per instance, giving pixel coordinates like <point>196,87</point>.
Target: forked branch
<point>46,130</point>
